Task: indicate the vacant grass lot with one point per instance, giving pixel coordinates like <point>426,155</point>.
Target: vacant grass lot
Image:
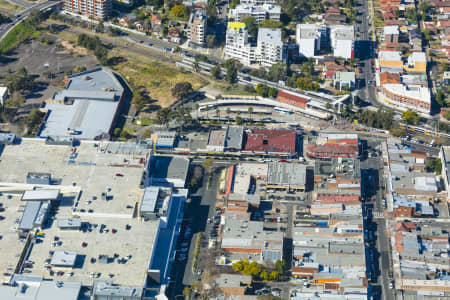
<point>158,79</point>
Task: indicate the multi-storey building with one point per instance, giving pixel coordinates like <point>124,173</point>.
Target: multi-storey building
<point>97,9</point>
<point>259,12</point>
<point>197,28</point>
<point>237,45</point>
<point>308,38</point>
<point>342,40</point>
<point>270,49</point>
<point>407,97</point>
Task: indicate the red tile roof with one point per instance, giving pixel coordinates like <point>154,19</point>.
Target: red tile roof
<point>337,198</point>
<point>295,98</point>
<point>271,141</point>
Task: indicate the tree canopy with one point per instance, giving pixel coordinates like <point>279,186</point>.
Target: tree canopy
<point>182,89</point>
<point>411,117</point>
<point>179,11</point>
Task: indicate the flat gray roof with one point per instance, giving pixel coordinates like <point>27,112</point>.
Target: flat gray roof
<point>107,288</point>
<point>232,280</point>
<point>149,199</point>
<point>34,288</point>
<point>270,36</point>
<point>288,174</point>
<point>168,167</point>
<point>69,223</point>
<point>94,96</point>
<point>165,138</point>
<point>234,137</point>
<point>40,195</point>
<point>63,258</point>
<point>29,215</point>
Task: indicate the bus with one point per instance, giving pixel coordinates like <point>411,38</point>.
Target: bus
<point>282,110</point>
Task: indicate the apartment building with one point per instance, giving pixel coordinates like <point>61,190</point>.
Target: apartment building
<point>237,45</point>
<point>259,12</point>
<point>197,28</point>
<point>270,49</point>
<point>97,9</point>
<point>308,38</point>
<point>407,97</point>
<point>342,40</point>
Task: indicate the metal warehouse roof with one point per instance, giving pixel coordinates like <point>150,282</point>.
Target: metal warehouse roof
<point>40,195</point>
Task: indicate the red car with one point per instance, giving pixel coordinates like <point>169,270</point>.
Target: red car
<point>119,175</point>
<point>282,160</point>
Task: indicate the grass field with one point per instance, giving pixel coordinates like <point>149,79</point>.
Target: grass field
<point>157,78</point>
<point>16,36</point>
<point>234,89</point>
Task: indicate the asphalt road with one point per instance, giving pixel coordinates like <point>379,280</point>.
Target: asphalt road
<point>23,14</point>
<point>201,207</point>
<point>373,188</point>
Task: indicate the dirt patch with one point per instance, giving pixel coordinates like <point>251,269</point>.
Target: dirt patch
<point>68,48</point>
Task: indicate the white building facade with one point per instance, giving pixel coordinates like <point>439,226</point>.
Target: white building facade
<point>342,40</point>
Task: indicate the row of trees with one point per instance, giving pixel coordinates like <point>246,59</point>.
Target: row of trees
<point>265,91</point>
<point>381,119</point>
<point>181,115</point>
<point>94,43</point>
<point>257,271</point>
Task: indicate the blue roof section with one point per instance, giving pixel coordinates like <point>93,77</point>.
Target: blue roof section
<point>165,244</point>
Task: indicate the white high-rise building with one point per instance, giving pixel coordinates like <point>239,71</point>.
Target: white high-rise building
<point>197,27</point>
<point>270,48</point>
<point>308,38</point>
<point>342,40</point>
<point>237,45</point>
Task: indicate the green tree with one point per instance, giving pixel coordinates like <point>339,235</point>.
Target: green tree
<point>434,165</point>
<point>328,105</point>
<point>440,98</point>
<point>410,117</point>
<point>238,120</point>
<point>228,112</point>
<point>411,15</point>
<point>273,92</point>
<point>278,71</point>
<point>233,3</point>
<point>210,40</point>
<point>100,27</point>
<point>305,83</point>
<point>163,116</point>
<point>447,115</point>
<point>262,89</point>
<point>117,132</point>
<point>280,265</point>
<point>231,75</point>
<point>264,275</point>
<point>179,11</point>
<point>15,100</point>
<point>252,25</point>
<point>270,24</point>
<point>182,89</point>
<point>34,118</point>
<point>215,72</point>
<point>138,100</point>
<point>250,111</point>
<point>273,275</point>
